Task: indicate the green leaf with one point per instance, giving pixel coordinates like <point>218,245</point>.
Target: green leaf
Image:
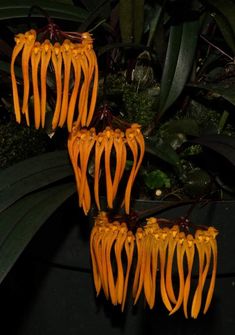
<point>179,59</point>
<point>20,222</point>
<point>138,24</point>
<point>226,30</point>
<point>222,144</point>
<point>223,89</point>
<point>126,20</point>
<point>154,23</point>
<point>101,10</point>
<point>20,9</point>
<point>162,150</point>
<point>226,8</point>
<point>32,174</point>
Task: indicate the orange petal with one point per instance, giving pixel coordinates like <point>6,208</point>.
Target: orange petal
<point>57,64</point>
<point>163,243</point>
<point>67,58</point>
<point>180,265</point>
<point>129,247</point>
<point>30,37</point>
<point>190,251</point>
<point>118,253</point>
<point>35,60</point>
<point>20,41</point>
<point>171,249</point>
<point>213,232</point>
<point>197,299</point>
<point>99,149</point>
<point>73,98</point>
<point>45,59</point>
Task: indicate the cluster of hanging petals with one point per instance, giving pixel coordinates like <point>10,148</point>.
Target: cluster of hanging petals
<point>159,252</point>
<point>66,61</point>
<point>109,273</point>
<point>158,249</point>
<point>104,146</point>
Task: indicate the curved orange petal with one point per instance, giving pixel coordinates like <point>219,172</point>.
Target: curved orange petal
<point>163,243</point>
<point>118,146</point>
<point>30,37</point>
<point>99,149</point>
<point>213,232</point>
<point>131,141</point>
<point>56,58</point>
<point>35,60</point>
<point>107,155</point>
<point>180,264</point>
<point>67,59</point>
<point>129,247</point>
<point>173,235</point>
<point>111,283</point>
<point>74,95</point>
<point>45,59</point>
<point>190,251</point>
<point>197,299</point>
<point>118,253</point>
<point>20,41</point>
<point>148,285</point>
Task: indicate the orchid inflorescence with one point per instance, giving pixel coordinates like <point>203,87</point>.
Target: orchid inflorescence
<point>111,145</point>
<point>158,249</point>
<point>67,60</point>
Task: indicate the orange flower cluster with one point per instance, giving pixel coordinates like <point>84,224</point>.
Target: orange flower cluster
<point>68,61</point>
<point>157,251</point>
<point>105,237</point>
<point>112,146</point>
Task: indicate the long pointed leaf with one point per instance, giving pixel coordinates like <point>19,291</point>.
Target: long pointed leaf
<point>226,30</point>
<point>178,64</point>
<point>170,63</point>
<point>226,8</point>
<point>18,227</point>
<point>222,144</point>
<point>31,166</point>
<point>162,150</point>
<point>26,177</point>
<point>20,9</point>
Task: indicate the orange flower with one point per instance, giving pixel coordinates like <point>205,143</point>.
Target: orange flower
<point>159,249</point>
<point>107,145</point>
<point>70,61</point>
<point>106,238</point>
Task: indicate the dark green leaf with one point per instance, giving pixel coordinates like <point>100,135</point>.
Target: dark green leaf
<point>20,222</point>
<point>126,20</point>
<point>223,89</point>
<point>138,24</point>
<point>226,30</point>
<point>32,174</point>
<point>157,11</point>
<point>100,10</point>
<point>179,59</point>
<point>170,63</point>
<point>20,9</point>
<point>226,8</point>
<point>162,150</point>
<point>222,144</point>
